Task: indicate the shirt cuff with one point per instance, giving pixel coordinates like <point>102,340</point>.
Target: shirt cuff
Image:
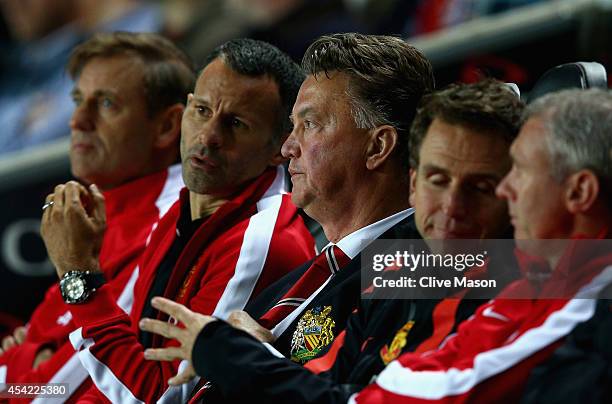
<point>273,350</point>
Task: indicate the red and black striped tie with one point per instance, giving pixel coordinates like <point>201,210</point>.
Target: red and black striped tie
<point>325,265</point>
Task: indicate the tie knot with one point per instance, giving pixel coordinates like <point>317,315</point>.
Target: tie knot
<point>335,258</point>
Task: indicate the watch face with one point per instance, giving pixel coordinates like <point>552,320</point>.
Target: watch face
<point>73,287</point>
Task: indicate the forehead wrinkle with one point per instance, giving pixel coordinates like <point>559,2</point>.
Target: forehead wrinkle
<point>238,103</point>
<point>456,158</point>
<point>458,143</point>
<point>220,80</point>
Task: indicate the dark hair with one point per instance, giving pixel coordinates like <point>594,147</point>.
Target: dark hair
<point>254,58</point>
<point>489,105</point>
<point>387,78</point>
<point>168,72</point>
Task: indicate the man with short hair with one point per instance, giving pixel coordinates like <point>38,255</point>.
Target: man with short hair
<point>378,331</point>
<point>129,94</point>
<point>458,147</point>
<point>556,190</point>
<point>233,231</point>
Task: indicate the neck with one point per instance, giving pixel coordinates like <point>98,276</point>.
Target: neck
<point>554,250</point>
<point>162,164</point>
<point>595,225</point>
<point>363,206</point>
<point>204,205</point>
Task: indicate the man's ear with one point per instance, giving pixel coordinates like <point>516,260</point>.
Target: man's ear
<point>413,177</point>
<point>278,158</point>
<point>168,126</point>
<point>381,143</point>
<point>582,190</point>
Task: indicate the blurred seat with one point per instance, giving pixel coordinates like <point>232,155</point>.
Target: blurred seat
<point>569,75</point>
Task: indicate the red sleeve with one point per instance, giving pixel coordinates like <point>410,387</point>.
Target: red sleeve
<point>43,324</point>
<point>55,317</point>
<point>111,353</point>
<point>18,360</point>
<point>23,372</point>
<point>108,342</point>
<point>50,327</point>
<point>110,350</point>
<point>93,396</point>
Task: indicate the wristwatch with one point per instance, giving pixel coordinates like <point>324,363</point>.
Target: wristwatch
<point>77,286</point>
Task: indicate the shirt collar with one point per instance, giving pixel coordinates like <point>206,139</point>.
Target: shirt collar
<point>355,242</point>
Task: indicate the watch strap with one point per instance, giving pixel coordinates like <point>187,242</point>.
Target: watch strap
<point>94,279</point>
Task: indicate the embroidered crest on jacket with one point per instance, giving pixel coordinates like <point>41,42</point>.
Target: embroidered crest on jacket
<point>391,352</point>
<point>313,333</point>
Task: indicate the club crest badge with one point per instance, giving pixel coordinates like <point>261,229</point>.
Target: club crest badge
<point>313,333</point>
<point>392,351</point>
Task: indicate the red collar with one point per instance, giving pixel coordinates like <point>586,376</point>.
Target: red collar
<point>124,197</point>
<point>582,259</point>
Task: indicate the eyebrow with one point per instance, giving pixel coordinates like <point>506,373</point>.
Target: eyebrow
<point>428,168</point>
<point>303,112</point>
<point>199,98</point>
<point>433,167</point>
<point>97,93</point>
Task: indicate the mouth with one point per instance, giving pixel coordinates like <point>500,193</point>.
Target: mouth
<point>202,162</point>
<point>295,176</point>
<point>444,233</point>
<point>81,147</point>
<point>293,172</point>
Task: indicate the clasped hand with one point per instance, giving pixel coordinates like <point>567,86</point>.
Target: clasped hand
<point>73,227</point>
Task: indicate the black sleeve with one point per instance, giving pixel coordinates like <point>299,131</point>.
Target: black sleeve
<point>239,366</point>
<point>349,354</point>
<point>580,370</point>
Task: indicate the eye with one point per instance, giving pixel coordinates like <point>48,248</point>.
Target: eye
<point>485,187</point>
<point>106,103</point>
<point>77,100</point>
<point>437,179</point>
<point>309,124</point>
<point>202,111</point>
<point>237,123</point>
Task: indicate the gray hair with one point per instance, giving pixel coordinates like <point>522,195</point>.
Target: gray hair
<point>579,126</point>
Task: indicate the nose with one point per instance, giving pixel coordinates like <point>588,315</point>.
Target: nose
<point>211,133</point>
<point>82,119</point>
<point>454,204</point>
<point>290,148</point>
